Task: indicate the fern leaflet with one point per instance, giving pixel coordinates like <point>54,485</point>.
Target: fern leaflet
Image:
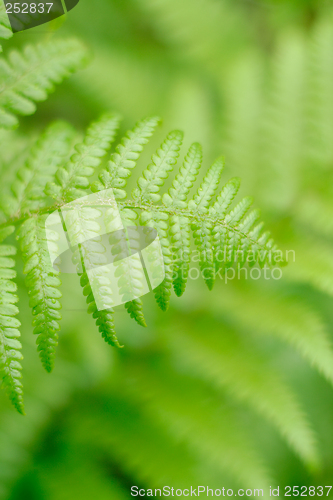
<point>43,284</point>
<point>10,355</point>
<point>29,76</point>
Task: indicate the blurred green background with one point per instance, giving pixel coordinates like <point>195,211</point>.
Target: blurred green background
<point>231,387</point>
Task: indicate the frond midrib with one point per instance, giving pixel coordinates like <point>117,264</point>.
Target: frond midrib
<point>195,217</point>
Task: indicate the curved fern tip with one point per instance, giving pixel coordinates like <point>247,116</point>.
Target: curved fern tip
<point>21,411</point>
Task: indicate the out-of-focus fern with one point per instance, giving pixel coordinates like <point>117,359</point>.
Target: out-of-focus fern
<point>174,406</point>
<point>51,150</point>
<point>230,365</point>
<point>29,76</point>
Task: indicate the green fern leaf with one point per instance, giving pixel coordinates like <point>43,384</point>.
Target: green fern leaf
<point>5,28</point>
<point>131,278</point>
<point>83,229</point>
<point>104,319</point>
<point>49,152</point>
<point>224,200</point>
<point>233,238</point>
<point>149,184</point>
<point>180,237</point>
<point>203,238</point>
<point>115,177</point>
<point>48,172</point>
<point>180,225</point>
<point>157,220</point>
<point>219,209</point>
<point>42,282</point>
<point>208,187</point>
<point>125,158</point>
<point>29,76</point>
<point>228,364</point>
<point>244,228</point>
<point>177,196</point>
<point>203,229</point>
<point>10,356</point>
<point>71,181</point>
<point>236,215</point>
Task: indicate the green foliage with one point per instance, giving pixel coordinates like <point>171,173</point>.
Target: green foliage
<point>9,334</point>
<point>5,29</point>
<point>50,151</point>
<point>52,170</point>
<point>29,76</point>
<point>42,282</point>
<point>228,387</point>
<point>70,181</point>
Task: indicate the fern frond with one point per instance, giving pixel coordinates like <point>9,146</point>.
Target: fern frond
<point>219,209</point>
<point>105,318</point>
<point>203,239</point>
<point>224,240</point>
<point>71,180</point>
<point>132,281</point>
<point>85,219</point>
<point>178,193</point>
<point>225,198</point>
<point>180,237</point>
<point>232,242</point>
<point>157,220</point>
<point>208,187</point>
<point>83,230</point>
<point>27,77</point>
<point>50,151</point>
<point>230,365</point>
<point>160,458</point>
<point>288,320</point>
<point>5,28</point>
<point>149,184</point>
<point>43,283</point>
<point>202,230</point>
<point>313,264</point>
<point>179,225</point>
<point>15,151</point>
<point>125,158</point>
<point>236,215</point>
<point>10,355</point>
<point>215,230</point>
<point>190,411</point>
